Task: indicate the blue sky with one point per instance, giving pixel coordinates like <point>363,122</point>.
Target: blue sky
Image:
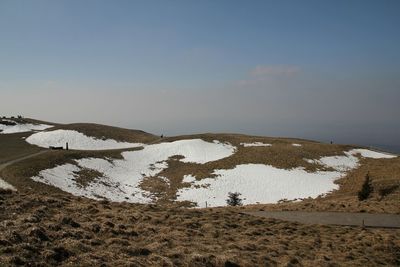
<point>293,68</point>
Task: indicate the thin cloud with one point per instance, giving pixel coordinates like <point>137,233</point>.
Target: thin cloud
<point>274,70</point>
<point>263,75</point>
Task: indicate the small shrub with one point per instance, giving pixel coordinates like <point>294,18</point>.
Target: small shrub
<point>366,189</point>
<point>234,199</point>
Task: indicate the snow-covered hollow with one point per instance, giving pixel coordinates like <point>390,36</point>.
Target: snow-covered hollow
<point>76,140</point>
<point>22,127</point>
<point>258,183</point>
<point>121,178</point>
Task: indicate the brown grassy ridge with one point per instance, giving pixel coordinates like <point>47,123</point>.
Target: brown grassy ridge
<point>47,229</point>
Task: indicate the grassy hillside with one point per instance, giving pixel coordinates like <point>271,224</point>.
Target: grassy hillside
<point>43,225</point>
<point>282,154</point>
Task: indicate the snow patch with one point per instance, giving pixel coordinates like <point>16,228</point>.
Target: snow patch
<point>76,140</point>
<point>340,163</point>
<point>188,179</point>
<point>5,185</point>
<point>22,127</point>
<point>350,160</point>
<point>366,153</point>
<point>254,144</point>
<point>121,178</point>
<point>296,145</point>
<point>259,183</point>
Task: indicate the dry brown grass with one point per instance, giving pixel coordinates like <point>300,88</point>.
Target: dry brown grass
<point>86,176</point>
<point>48,229</point>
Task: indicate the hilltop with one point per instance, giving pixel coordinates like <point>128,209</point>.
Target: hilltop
<point>127,190</point>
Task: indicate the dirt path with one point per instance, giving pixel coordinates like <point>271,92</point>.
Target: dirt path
<point>4,165</point>
<point>336,218</point>
<point>4,184</point>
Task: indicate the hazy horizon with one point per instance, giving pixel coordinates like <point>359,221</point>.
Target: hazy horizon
<point>322,71</point>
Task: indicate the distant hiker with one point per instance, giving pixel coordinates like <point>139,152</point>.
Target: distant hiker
<point>331,142</point>
<point>162,136</point>
<point>66,146</point>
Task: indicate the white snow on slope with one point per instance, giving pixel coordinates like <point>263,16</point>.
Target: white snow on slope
<point>366,153</point>
<point>20,128</point>
<point>296,145</point>
<point>349,160</point>
<point>339,163</point>
<point>267,184</point>
<point>64,177</point>
<point>254,144</point>
<point>76,140</point>
<point>5,185</point>
<point>259,183</point>
<point>188,178</point>
<point>123,177</point>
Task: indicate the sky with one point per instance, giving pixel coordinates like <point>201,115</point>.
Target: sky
<point>325,70</point>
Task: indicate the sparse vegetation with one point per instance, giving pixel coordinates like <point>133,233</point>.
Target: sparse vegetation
<point>385,191</point>
<point>58,230</point>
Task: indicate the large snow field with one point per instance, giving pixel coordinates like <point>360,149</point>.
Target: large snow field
<point>5,185</point>
<point>76,140</point>
<point>121,178</point>
<point>258,183</point>
<point>22,127</point>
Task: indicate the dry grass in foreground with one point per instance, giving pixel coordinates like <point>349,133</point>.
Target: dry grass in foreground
<point>59,230</point>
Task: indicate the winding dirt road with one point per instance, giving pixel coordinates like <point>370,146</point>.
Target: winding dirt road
<point>4,184</point>
<point>4,165</point>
